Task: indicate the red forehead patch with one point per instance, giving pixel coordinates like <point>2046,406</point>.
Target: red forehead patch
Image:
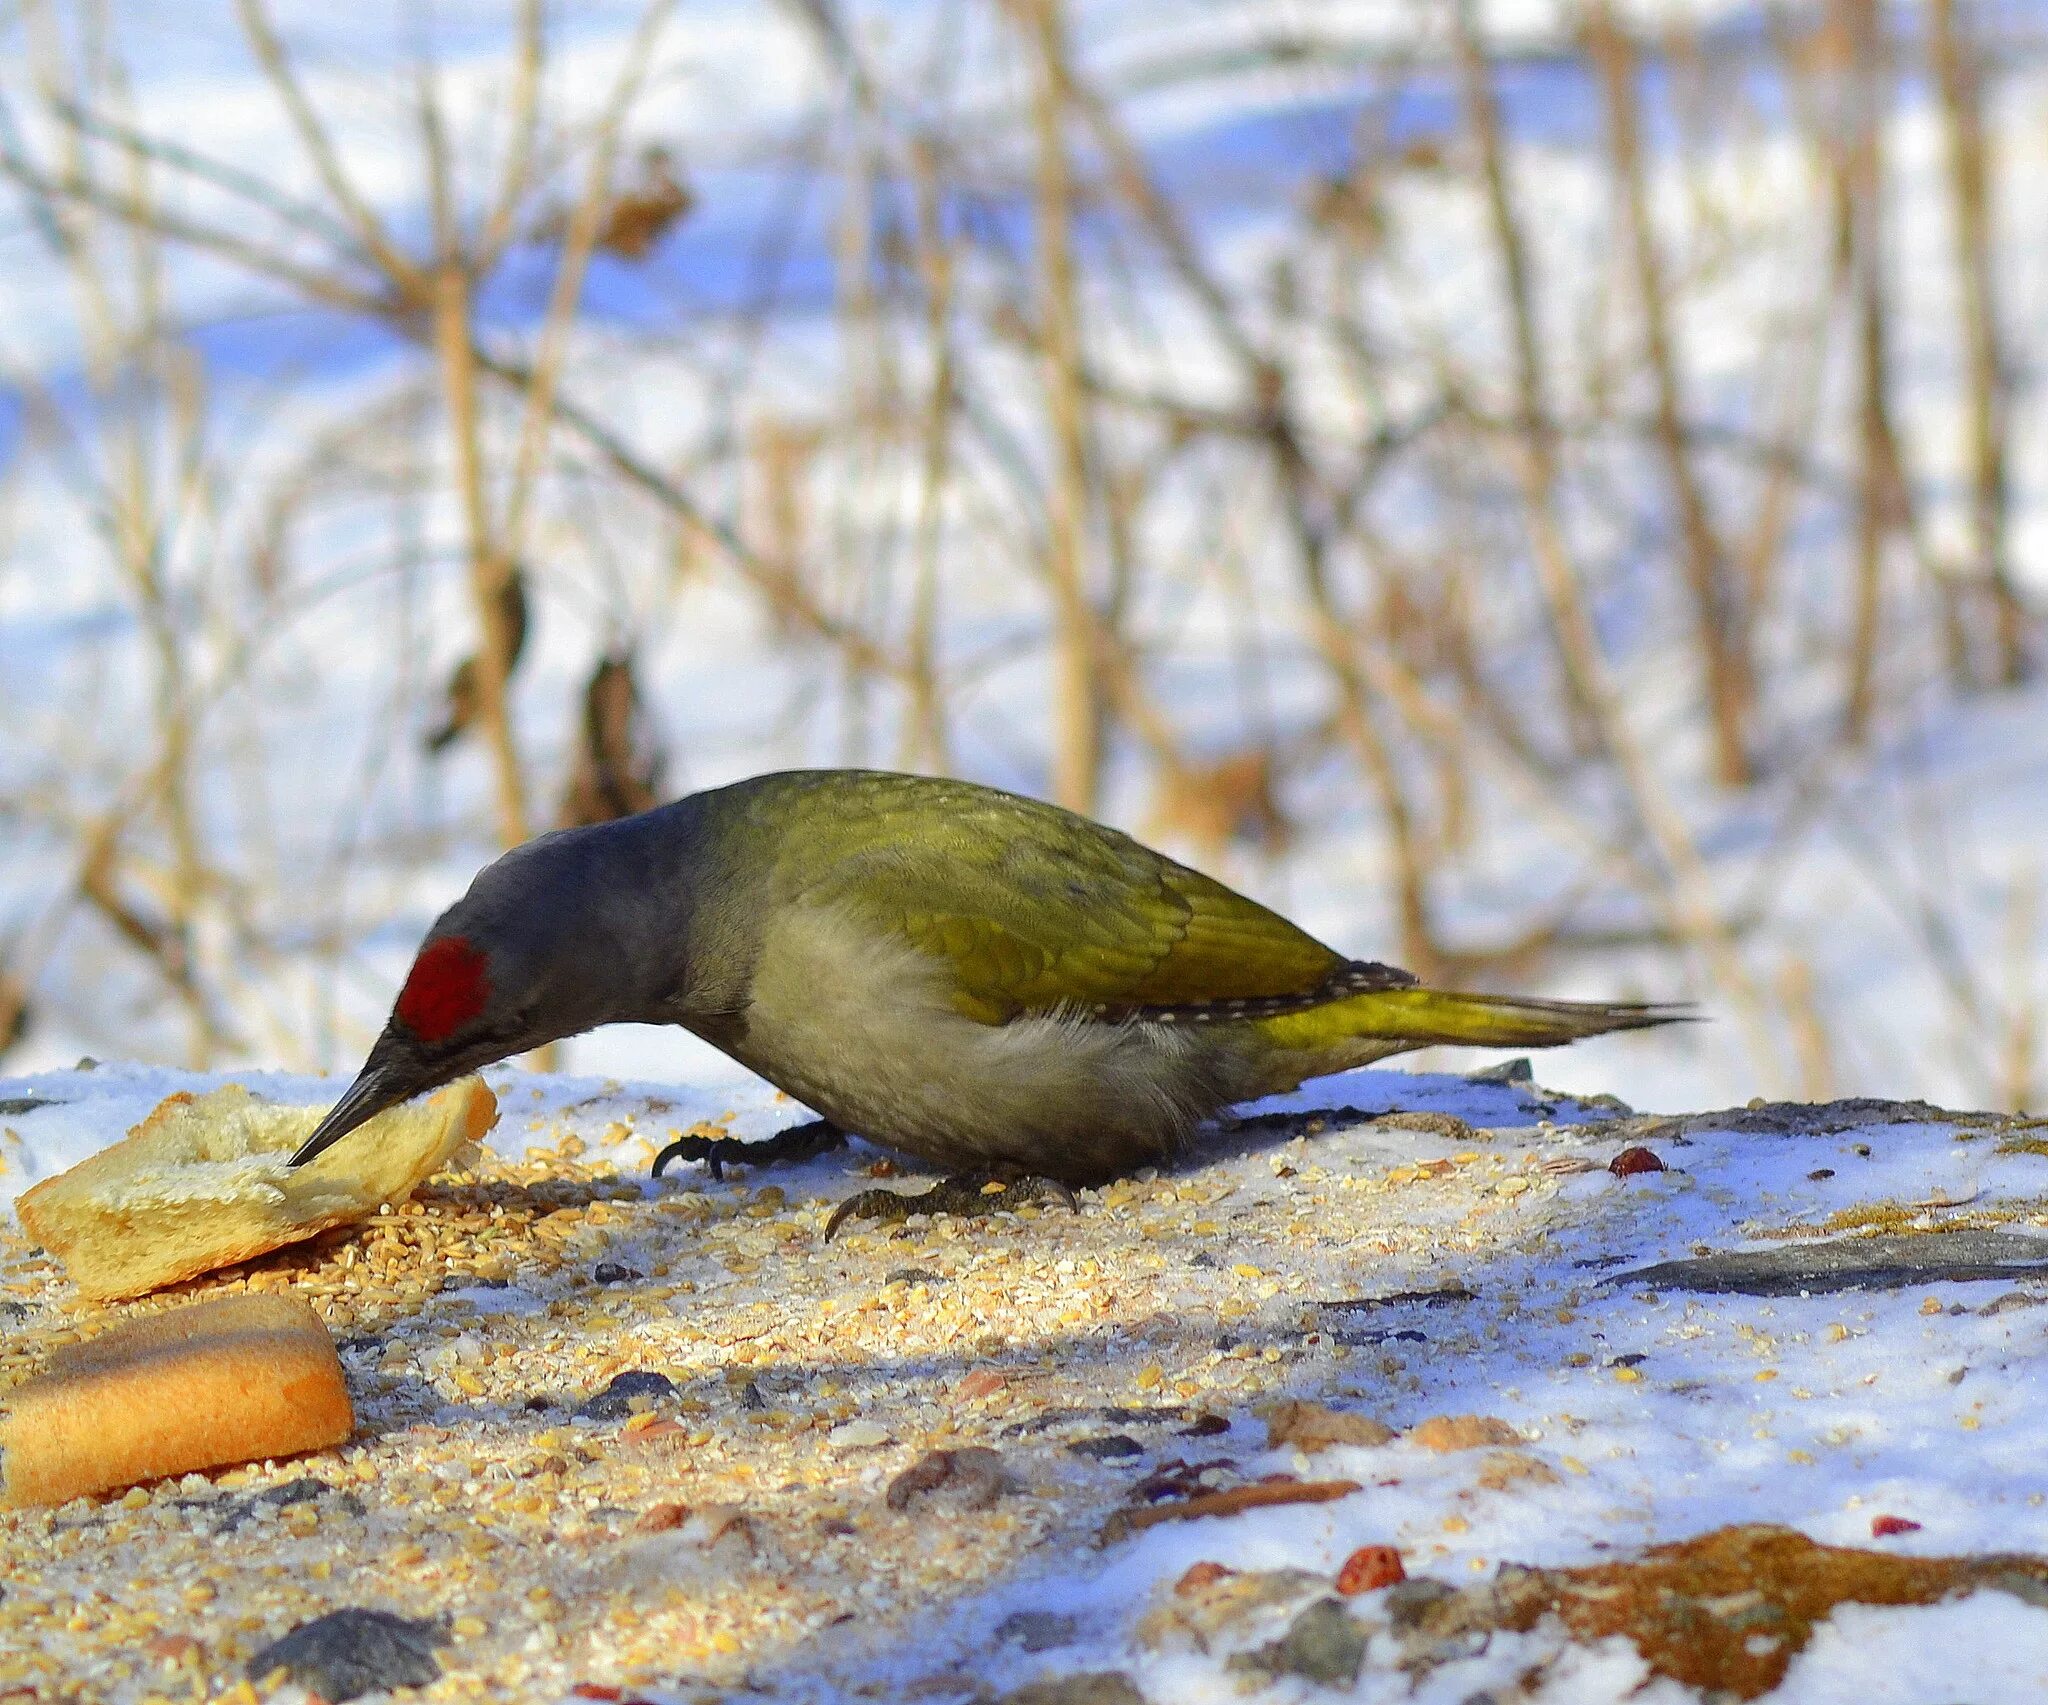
<point>445,989</point>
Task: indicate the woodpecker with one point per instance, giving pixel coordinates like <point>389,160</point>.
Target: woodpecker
<point>999,987</point>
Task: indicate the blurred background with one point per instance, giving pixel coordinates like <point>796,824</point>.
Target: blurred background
<point>1548,493</point>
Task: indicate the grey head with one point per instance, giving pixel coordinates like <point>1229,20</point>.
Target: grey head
<point>576,929</point>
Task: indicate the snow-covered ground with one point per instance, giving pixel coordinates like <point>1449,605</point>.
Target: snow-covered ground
<point>1621,1409</point>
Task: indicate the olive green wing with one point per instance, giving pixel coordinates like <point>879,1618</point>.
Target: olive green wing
<point>1034,909</point>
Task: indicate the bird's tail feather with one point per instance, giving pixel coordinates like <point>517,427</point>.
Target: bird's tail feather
<point>1420,1018</point>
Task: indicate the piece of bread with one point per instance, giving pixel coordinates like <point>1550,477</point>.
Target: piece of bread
<point>210,1383</point>
<point>203,1182</point>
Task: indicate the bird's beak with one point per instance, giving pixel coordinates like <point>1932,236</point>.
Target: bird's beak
<point>378,1085</point>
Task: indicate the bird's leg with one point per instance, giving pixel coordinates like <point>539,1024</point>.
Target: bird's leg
<point>968,1194</point>
<point>799,1142</point>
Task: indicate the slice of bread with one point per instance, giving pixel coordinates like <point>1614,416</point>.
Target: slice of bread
<point>199,1386</point>
<point>203,1182</point>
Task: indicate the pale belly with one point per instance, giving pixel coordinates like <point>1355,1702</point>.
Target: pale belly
<point>866,1038</point>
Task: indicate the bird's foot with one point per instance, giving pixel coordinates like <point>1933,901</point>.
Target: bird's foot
<point>968,1194</point>
<point>799,1142</point>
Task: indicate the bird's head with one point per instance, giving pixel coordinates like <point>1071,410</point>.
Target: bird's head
<point>524,958</point>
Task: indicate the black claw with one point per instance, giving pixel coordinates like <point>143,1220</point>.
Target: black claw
<point>799,1142</point>
<point>969,1195</point>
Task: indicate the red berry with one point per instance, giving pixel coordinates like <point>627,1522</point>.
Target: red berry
<point>1631,1161</point>
<point>1369,1568</point>
<point>1883,1527</point>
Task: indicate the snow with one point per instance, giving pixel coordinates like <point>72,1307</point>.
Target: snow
<point>1660,1414</point>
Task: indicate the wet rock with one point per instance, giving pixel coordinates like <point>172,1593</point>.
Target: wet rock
<point>1517,1070</point>
<point>1205,1427</point>
<point>1038,1630</point>
<point>613,1273</point>
<point>1310,1427</point>
<point>1820,1119</point>
<point>1724,1613</point>
<point>1091,1687</point>
<point>1107,1447</point>
<point>1325,1644</point>
<point>914,1276</point>
<point>347,1653</point>
<point>1884,1263</point>
<point>1436,1296</point>
<point>615,1401</point>
<point>970,1478</point>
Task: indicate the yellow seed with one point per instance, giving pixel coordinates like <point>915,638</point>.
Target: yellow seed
<point>1149,1377</point>
<point>1799,1456</point>
<point>135,1499</point>
<point>1627,1376</point>
<point>1456,1524</point>
<point>469,1627</point>
<point>1766,1374</point>
<point>723,1641</point>
<point>407,1554</point>
<point>1245,1270</point>
<point>199,1593</point>
<point>1837,1332</point>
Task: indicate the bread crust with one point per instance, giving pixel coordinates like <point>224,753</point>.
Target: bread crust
<point>231,1379</point>
<point>202,1183</point>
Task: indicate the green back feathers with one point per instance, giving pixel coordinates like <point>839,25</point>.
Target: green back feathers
<point>1033,908</point>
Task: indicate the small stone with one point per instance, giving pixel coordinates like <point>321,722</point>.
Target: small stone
<point>615,1401</point>
<point>970,1478</point>
<point>1507,1468</point>
<point>1037,1630</point>
<point>983,1382</point>
<point>1463,1432</point>
<point>1325,1644</point>
<point>1368,1569</point>
<point>1091,1687</point>
<point>347,1653</point>
<point>858,1435</point>
<point>1310,1427</point>
<point>914,1276</point>
<point>1886,1527</point>
<point>1105,1447</point>
<point>1210,1604</point>
<point>1205,1426</point>
<point>613,1273</point>
<point>1632,1161</point>
<point>1410,1601</point>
